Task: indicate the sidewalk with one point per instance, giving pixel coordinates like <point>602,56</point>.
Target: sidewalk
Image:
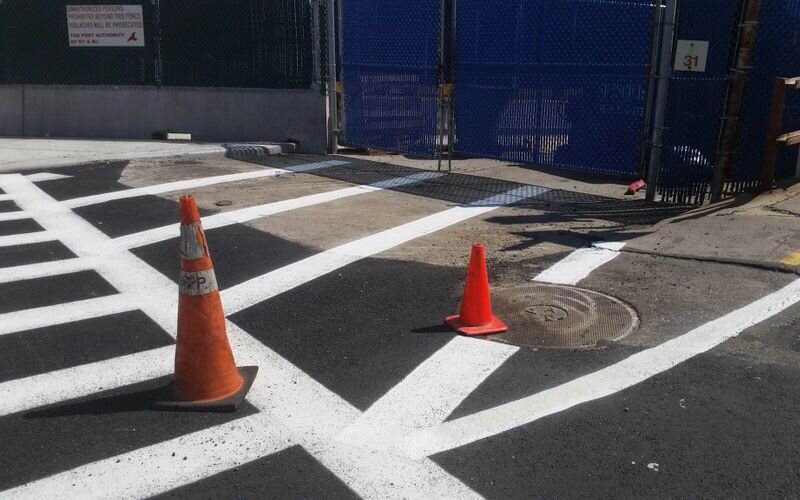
<point>758,230</point>
<point>31,153</point>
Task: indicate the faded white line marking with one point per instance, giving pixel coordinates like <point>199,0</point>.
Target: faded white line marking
<point>427,396</point>
<point>618,377</point>
<point>5,197</point>
<point>17,215</point>
<point>156,469</point>
<point>195,183</point>
<point>29,319</point>
<point>231,217</point>
<point>45,269</point>
<point>269,285</point>
<point>579,264</point>
<point>46,176</point>
<point>26,238</point>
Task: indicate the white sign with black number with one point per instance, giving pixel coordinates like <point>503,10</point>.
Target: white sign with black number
<point>105,25</point>
<point>691,55</point>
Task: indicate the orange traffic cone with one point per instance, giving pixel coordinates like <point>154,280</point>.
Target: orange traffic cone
<point>206,377</point>
<point>476,306</point>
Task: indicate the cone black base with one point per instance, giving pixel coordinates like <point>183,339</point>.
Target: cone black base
<point>495,326</point>
<point>225,405</point>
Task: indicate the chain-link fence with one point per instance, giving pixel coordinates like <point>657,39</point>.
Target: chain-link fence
<point>391,67</point>
<point>216,43</point>
<point>559,84</point>
<point>697,99</point>
<point>777,55</point>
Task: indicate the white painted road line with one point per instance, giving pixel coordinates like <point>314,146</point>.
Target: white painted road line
<point>156,469</point>
<point>144,288</point>
<point>313,413</point>
<point>17,215</point>
<point>579,264</point>
<point>606,382</point>
<point>79,381</point>
<point>46,269</point>
<point>427,396</point>
<point>170,186</point>
<point>5,197</point>
<point>26,238</point>
<point>195,183</point>
<point>46,176</point>
<point>231,217</point>
<point>269,285</point>
<point>30,319</point>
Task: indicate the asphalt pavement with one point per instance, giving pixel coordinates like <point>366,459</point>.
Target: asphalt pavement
<point>336,274</point>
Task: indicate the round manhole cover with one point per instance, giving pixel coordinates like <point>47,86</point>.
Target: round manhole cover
<point>554,316</point>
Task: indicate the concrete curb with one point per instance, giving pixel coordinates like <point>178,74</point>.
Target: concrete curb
<point>228,150</point>
<point>767,266</point>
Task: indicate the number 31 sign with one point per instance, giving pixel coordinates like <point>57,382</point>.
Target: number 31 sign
<point>691,55</point>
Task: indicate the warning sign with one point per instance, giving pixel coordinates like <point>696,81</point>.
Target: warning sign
<point>105,25</point>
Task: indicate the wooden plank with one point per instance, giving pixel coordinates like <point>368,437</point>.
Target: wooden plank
<point>790,139</point>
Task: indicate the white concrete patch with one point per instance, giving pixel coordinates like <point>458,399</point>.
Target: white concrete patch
<point>17,215</point>
<point>46,176</point>
<point>579,264</point>
<point>30,319</point>
<point>196,183</point>
<point>269,285</point>
<point>606,382</point>
<point>155,469</point>
<point>239,216</point>
<point>26,238</point>
<point>427,396</point>
<point>46,269</point>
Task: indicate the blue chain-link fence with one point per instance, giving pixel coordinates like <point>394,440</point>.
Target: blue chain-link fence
<point>777,55</point>
<point>390,69</point>
<point>553,83</point>
<point>697,100</point>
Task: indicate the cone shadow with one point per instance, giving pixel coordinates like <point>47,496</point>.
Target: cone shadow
<point>122,403</point>
<point>441,328</point>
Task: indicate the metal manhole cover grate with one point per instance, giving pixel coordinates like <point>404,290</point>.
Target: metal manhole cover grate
<point>541,315</point>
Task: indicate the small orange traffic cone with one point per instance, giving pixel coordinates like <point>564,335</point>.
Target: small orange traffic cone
<point>206,377</point>
<point>476,306</point>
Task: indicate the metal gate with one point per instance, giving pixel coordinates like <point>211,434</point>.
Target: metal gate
<point>573,84</point>
<point>553,83</point>
<point>390,71</point>
<point>696,101</point>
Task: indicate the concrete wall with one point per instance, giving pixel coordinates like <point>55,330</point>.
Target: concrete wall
<point>11,110</point>
<point>210,114</point>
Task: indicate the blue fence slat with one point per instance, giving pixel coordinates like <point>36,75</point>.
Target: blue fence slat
<point>555,83</point>
<point>390,68</point>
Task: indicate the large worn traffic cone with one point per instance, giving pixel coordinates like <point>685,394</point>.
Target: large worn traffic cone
<point>476,306</point>
<point>206,377</point>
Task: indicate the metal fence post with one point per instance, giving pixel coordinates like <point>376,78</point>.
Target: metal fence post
<point>647,120</point>
<point>333,118</point>
<point>315,44</point>
<point>743,64</point>
<point>662,96</point>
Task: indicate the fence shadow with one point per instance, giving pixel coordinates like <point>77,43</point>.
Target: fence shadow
<point>555,206</point>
